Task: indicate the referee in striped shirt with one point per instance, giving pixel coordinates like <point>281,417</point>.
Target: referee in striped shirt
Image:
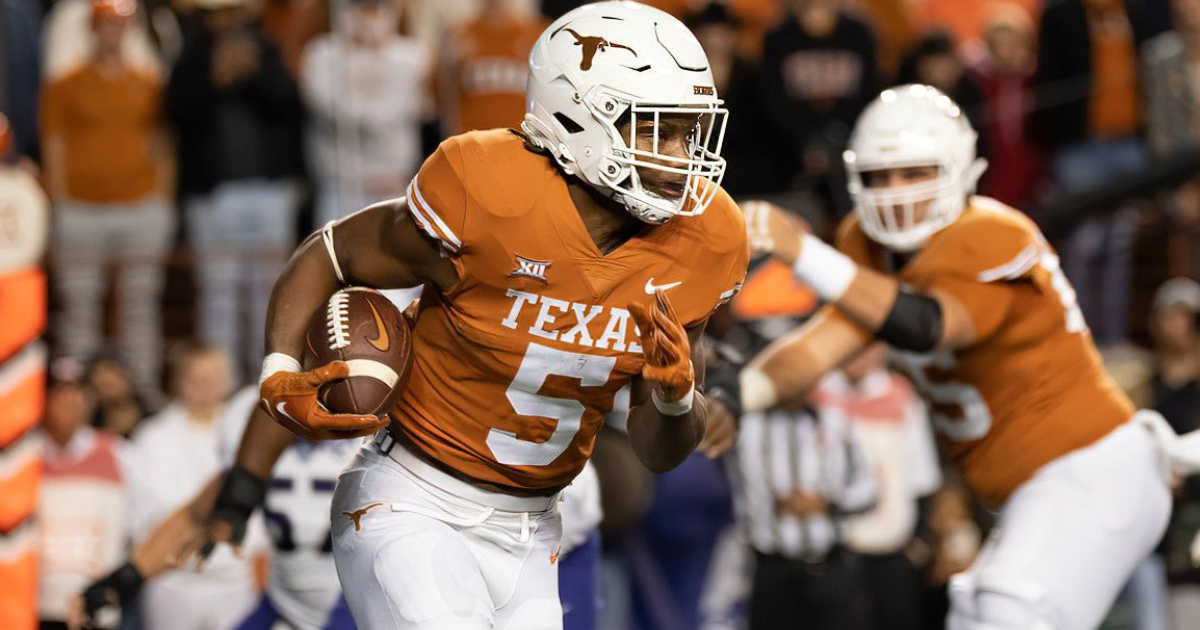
<point>797,473</point>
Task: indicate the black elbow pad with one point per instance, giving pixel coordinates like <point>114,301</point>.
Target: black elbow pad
<point>914,323</point>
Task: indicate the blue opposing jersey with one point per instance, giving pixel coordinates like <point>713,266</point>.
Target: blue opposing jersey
<point>303,586</point>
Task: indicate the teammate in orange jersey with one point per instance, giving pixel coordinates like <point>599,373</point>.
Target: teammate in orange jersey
<point>987,326</point>
<point>483,68</point>
<point>561,265</point>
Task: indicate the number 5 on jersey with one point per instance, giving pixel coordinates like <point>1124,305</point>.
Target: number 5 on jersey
<point>540,362</point>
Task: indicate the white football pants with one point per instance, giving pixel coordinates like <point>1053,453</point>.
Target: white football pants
<point>417,549</point>
<point>1068,539</point>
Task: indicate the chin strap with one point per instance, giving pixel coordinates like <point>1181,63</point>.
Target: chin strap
<point>643,211</point>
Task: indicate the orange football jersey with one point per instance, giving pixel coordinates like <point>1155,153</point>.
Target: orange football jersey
<point>516,365</point>
<point>1032,386</point>
<point>484,79</point>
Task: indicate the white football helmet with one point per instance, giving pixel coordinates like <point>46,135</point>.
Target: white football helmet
<point>608,63</point>
<point>912,125</point>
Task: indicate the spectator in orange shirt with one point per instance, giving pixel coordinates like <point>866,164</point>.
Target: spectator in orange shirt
<point>481,82</point>
<point>110,173</point>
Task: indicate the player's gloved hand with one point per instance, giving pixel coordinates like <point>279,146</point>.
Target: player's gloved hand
<point>291,399</point>
<point>241,493</point>
<point>667,353</point>
<point>115,589</point>
<point>774,231</point>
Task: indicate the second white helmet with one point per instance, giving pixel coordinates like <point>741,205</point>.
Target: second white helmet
<point>612,63</point>
<point>906,126</point>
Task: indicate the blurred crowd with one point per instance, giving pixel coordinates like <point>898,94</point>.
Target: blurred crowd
<point>184,147</point>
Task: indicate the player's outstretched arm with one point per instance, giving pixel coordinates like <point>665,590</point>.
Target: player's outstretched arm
<point>245,484</point>
<point>218,513</point>
<point>170,545</point>
<point>666,422</point>
<point>377,247</point>
<point>904,318</point>
<point>784,373</point>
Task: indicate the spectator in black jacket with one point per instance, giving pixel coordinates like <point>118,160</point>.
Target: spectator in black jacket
<point>1175,326</point>
<point>20,48</point>
<point>238,116</point>
<point>1089,105</point>
<point>1089,113</point>
<point>818,72</point>
<point>751,149</point>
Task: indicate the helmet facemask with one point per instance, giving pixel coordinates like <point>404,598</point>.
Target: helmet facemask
<point>903,217</point>
<point>655,174</point>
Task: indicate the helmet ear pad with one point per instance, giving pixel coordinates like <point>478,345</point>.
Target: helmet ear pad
<point>581,141</point>
<point>974,172</point>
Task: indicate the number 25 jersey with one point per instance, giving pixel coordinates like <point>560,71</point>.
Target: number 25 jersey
<point>1032,387</point>
<point>517,363</point>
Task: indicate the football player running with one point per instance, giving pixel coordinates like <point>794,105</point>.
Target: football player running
<point>987,326</point>
<point>561,265</point>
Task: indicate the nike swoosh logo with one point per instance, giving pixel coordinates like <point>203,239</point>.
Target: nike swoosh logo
<point>381,341</point>
<point>651,288</point>
<point>554,556</point>
<point>282,408</point>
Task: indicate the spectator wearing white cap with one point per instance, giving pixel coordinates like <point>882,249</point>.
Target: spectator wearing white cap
<point>1175,327</point>
<point>109,169</point>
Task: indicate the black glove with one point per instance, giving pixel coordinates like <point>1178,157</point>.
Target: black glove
<point>241,493</point>
<point>721,377</point>
<point>117,588</point>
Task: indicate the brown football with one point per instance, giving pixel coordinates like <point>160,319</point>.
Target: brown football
<point>365,329</point>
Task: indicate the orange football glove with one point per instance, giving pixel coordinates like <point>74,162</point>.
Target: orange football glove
<point>666,348</point>
<point>291,399</point>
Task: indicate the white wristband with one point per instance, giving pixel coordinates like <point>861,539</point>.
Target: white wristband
<point>825,269</point>
<point>677,408</point>
<point>277,362</point>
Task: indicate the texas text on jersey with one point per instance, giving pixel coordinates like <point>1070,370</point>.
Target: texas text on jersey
<point>1032,387</point>
<point>516,365</point>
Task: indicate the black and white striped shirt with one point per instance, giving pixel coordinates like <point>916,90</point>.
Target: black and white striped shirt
<point>783,452</point>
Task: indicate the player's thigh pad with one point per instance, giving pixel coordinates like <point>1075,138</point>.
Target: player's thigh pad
<point>1067,539</point>
<point>525,582</point>
<point>400,569</point>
